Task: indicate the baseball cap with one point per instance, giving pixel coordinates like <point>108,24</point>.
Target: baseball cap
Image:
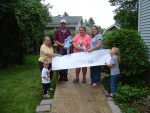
<point>62,20</point>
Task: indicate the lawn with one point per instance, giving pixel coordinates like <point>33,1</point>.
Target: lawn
<point>20,87</point>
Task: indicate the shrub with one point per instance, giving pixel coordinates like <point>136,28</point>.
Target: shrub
<point>133,81</point>
<point>22,25</point>
<point>126,93</point>
<point>73,32</point>
<point>132,110</point>
<point>50,33</point>
<point>134,58</point>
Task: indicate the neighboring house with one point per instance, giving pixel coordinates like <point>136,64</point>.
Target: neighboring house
<point>110,29</point>
<point>144,22</point>
<point>73,22</point>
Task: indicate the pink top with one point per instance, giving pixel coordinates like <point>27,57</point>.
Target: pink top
<point>86,41</point>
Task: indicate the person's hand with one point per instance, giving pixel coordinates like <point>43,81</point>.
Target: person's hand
<point>59,55</point>
<point>89,50</point>
<point>79,49</point>
<point>62,45</point>
<point>106,64</point>
<point>46,78</point>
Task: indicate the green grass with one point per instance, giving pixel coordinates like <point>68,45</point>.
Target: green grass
<point>20,87</point>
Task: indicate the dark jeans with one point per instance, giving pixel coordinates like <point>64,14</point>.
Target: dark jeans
<point>51,72</point>
<point>63,72</point>
<point>95,74</point>
<point>45,87</point>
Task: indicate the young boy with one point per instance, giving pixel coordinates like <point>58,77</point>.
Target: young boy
<point>45,78</point>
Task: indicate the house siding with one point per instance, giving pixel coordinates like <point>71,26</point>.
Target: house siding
<point>144,22</point>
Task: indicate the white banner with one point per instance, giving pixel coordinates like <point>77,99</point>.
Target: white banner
<point>81,59</point>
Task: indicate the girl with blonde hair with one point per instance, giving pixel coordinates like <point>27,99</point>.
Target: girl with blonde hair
<point>115,71</point>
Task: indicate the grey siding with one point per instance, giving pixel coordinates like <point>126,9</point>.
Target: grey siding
<point>144,22</point>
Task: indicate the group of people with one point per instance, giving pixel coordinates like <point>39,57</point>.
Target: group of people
<point>81,42</point>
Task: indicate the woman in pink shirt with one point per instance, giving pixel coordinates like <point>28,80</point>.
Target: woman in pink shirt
<point>86,42</point>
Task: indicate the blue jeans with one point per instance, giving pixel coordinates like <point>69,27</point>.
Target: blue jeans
<point>95,73</point>
<point>113,83</point>
<point>64,71</point>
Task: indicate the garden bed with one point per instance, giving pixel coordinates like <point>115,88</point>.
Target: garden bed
<point>140,105</point>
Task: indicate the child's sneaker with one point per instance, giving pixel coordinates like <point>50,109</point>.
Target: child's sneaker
<point>46,95</point>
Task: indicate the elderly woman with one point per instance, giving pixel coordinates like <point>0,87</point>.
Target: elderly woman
<point>95,44</point>
<point>46,53</point>
<point>81,36</point>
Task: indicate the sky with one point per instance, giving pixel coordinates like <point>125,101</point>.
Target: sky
<point>100,10</point>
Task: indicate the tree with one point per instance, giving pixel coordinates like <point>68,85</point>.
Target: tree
<point>22,28</point>
<point>126,13</point>
<point>65,14</point>
<point>86,22</point>
<point>91,21</point>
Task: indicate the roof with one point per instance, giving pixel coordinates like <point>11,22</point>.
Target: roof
<point>110,27</point>
<point>72,21</point>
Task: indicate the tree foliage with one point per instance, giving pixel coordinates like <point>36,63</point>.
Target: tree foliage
<point>126,13</point>
<point>134,58</point>
<point>86,22</point>
<point>22,27</point>
<point>65,14</point>
<point>90,22</point>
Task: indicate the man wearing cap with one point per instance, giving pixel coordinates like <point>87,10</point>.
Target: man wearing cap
<point>59,37</point>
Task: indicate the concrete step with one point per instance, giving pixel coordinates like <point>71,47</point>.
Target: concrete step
<point>43,109</point>
<point>44,106</point>
<point>46,102</point>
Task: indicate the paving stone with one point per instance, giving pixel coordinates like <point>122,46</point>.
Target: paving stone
<point>43,109</point>
<point>46,102</point>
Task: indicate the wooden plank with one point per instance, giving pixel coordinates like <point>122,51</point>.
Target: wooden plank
<point>78,97</point>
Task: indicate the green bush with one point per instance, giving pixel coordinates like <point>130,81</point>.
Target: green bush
<point>132,110</point>
<point>22,25</point>
<point>73,33</point>
<point>126,93</point>
<point>50,33</point>
<point>134,58</point>
<point>133,81</point>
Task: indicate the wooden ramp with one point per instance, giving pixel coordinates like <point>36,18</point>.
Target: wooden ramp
<point>78,97</point>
